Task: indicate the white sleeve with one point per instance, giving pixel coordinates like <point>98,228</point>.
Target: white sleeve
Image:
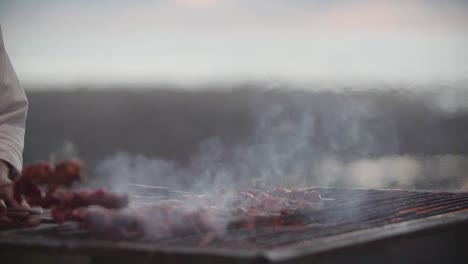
<point>13,111</point>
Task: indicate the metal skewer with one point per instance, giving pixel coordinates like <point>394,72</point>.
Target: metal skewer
<point>24,210</point>
<point>156,190</point>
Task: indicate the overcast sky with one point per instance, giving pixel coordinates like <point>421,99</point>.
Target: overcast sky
<point>190,41</point>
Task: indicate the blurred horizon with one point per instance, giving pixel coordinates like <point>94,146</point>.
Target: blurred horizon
<point>98,44</point>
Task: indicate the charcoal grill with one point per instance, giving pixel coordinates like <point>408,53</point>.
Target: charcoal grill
<point>354,226</point>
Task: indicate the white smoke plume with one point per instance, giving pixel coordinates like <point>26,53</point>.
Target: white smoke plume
<point>67,151</point>
<point>295,146</point>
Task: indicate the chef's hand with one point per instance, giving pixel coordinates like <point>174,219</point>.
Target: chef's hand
<point>7,200</point>
<point>6,187</point>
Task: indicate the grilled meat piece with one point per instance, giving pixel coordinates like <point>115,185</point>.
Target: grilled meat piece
<point>87,197</point>
<point>256,202</point>
<point>62,204</point>
<point>63,174</point>
<point>38,173</point>
<point>24,188</point>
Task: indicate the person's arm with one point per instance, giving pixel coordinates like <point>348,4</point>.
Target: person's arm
<point>13,111</point>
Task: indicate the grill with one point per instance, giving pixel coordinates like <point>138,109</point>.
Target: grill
<point>365,225</point>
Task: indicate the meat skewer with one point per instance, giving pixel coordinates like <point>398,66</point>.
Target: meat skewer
<point>86,197</point>
<point>63,204</point>
<point>107,212</point>
<point>28,185</point>
<point>211,213</point>
<point>39,185</point>
<point>164,220</point>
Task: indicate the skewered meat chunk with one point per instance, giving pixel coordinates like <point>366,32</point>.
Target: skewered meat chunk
<point>86,197</point>
<point>60,214</point>
<point>63,203</point>
<point>38,173</point>
<point>63,174</point>
<point>25,188</point>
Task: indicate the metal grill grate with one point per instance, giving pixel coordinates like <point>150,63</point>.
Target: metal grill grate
<point>344,210</point>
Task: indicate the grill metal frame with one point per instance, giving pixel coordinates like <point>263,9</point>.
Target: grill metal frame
<point>412,241</point>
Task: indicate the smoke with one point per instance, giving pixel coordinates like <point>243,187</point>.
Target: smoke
<point>450,101</point>
<point>67,151</point>
<point>277,153</point>
<point>407,172</point>
<point>295,144</point>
